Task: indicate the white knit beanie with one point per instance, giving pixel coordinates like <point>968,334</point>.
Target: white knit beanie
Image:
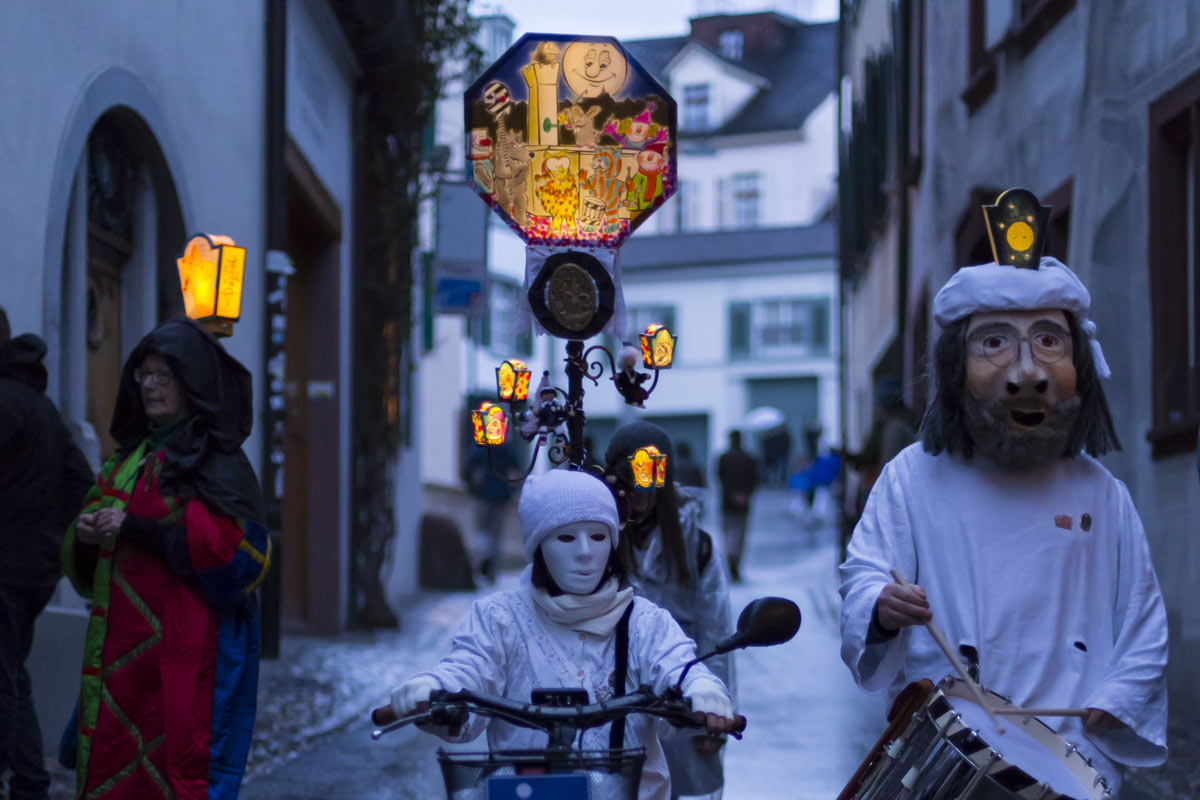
<point>560,497</point>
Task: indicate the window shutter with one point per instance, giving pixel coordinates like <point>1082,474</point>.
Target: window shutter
<point>739,330</point>
<point>820,327</point>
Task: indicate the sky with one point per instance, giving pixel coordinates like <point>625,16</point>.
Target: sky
<point>636,19</point>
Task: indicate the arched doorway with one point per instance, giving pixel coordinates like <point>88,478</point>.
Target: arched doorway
<point>128,229</point>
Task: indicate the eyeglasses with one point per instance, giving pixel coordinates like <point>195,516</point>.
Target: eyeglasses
<point>160,378</point>
<point>1003,348</point>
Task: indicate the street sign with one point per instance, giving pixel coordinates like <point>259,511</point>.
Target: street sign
<point>570,140</point>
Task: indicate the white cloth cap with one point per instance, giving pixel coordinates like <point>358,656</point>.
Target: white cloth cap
<point>560,497</point>
<point>992,287</point>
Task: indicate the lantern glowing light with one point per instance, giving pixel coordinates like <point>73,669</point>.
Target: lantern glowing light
<point>210,277</point>
<point>489,425</point>
<point>512,381</point>
<point>649,468</point>
<point>658,347</point>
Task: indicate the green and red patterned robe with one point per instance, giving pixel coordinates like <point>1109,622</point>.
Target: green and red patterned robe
<point>170,665</point>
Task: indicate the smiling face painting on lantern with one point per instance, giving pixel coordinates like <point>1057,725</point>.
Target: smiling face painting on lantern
<point>1020,546</point>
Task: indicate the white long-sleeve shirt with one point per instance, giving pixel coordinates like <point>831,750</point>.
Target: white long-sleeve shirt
<point>1046,573</point>
<point>509,647</point>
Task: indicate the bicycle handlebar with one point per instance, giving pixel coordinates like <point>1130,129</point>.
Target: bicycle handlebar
<point>452,708</point>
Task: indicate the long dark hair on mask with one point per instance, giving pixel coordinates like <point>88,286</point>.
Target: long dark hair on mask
<point>541,578</point>
<point>944,426</point>
<point>665,515</point>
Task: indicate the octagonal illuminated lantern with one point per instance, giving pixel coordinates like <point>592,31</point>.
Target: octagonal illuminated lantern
<point>489,424</point>
<point>658,347</point>
<point>571,140</point>
<point>512,381</point>
<point>210,277</point>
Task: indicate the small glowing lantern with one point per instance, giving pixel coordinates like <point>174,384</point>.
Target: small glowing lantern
<point>643,466</point>
<point>658,347</point>
<point>210,277</point>
<point>512,381</point>
<point>649,468</point>
<point>489,424</point>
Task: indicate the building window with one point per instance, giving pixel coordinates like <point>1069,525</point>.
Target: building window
<point>984,30</point>
<point>730,44</point>
<point>695,107</point>
<point>495,330</point>
<point>745,199</point>
<point>1173,262</point>
<point>793,327</point>
<point>1037,18</point>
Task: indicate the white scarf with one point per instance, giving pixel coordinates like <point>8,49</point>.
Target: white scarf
<point>597,613</point>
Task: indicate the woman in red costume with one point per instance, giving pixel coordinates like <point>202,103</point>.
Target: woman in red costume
<point>170,548</point>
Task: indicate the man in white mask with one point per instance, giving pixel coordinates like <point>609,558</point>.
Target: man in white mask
<point>1024,549</point>
<point>559,630</point>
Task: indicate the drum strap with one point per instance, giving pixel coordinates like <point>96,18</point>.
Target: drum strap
<point>616,734</point>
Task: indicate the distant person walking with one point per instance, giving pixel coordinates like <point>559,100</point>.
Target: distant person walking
<point>43,478</point>
<point>737,472</point>
<point>777,454</point>
<point>492,494</point>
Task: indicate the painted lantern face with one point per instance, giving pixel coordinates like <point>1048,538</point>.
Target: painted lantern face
<point>481,145</point>
<point>576,555</point>
<point>1022,359</point>
<point>594,68</point>
<point>651,161</point>
<point>496,98</point>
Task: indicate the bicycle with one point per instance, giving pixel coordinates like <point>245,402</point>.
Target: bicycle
<point>560,771</point>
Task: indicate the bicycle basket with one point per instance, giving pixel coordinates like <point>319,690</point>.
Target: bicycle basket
<point>611,774</point>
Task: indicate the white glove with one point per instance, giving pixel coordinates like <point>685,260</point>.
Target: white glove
<point>709,696</point>
<point>407,695</point>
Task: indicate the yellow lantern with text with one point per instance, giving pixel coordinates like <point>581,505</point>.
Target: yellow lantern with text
<point>210,277</point>
<point>512,381</point>
<point>658,347</point>
<point>489,425</point>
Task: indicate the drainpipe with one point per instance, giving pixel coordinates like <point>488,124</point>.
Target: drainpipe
<point>277,269</point>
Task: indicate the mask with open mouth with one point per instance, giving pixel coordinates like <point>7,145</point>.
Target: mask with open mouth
<point>1041,437</point>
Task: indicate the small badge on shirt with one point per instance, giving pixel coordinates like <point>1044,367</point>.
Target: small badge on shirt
<point>1063,521</point>
<point>1085,522</point>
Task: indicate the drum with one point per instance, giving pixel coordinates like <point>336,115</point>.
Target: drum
<point>949,749</point>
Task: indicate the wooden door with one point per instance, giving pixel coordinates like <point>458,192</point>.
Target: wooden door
<point>294,504</point>
<point>107,254</point>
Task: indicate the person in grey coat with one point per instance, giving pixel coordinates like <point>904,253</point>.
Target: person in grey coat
<point>676,565</point>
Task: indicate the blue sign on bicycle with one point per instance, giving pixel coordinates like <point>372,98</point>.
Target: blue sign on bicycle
<point>538,787</point>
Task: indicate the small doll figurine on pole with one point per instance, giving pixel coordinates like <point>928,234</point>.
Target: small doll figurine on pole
<point>545,415</point>
<point>628,380</point>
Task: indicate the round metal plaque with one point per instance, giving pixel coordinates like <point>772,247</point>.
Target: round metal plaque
<point>571,296</point>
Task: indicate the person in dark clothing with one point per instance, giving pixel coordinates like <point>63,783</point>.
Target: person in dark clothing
<point>43,478</point>
<point>687,471</point>
<point>777,454</point>
<point>492,494</point>
<point>738,473</point>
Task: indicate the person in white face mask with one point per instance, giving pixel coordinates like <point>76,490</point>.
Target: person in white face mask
<point>558,629</point>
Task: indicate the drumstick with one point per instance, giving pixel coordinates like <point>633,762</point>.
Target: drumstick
<point>936,633</point>
<point>1017,711</point>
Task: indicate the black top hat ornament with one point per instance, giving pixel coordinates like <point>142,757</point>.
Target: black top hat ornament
<point>1017,228</point>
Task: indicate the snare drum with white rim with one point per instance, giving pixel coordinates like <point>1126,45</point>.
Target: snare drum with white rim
<point>951,749</point>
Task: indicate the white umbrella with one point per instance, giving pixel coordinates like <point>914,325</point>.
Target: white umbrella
<point>763,418</point>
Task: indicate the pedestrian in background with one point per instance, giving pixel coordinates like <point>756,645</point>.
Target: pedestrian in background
<point>777,454</point>
<point>492,495</point>
<point>738,473</point>
<point>170,548</point>
<point>673,563</point>
<point>43,478</point>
